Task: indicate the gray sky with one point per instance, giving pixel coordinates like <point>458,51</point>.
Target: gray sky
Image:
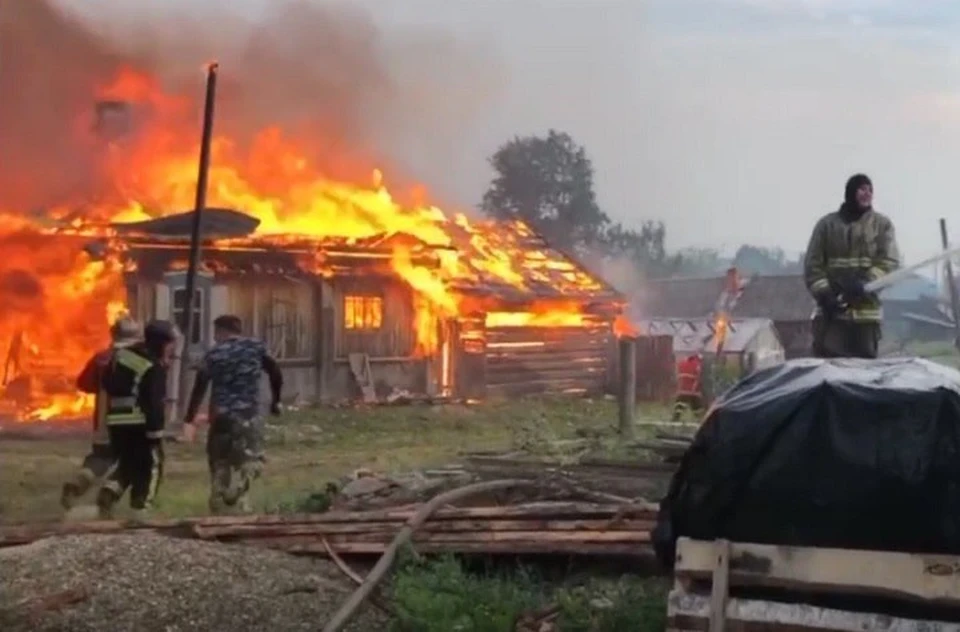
<point>731,120</point>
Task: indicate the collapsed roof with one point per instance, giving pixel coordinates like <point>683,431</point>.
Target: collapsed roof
<point>503,260</point>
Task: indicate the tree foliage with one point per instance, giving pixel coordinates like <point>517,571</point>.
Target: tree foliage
<point>702,262</point>
<point>548,183</point>
<point>760,260</point>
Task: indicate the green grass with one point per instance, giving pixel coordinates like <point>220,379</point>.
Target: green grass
<point>308,448</point>
<point>438,595</point>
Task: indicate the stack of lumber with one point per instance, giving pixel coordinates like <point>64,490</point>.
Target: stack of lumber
<point>533,528</point>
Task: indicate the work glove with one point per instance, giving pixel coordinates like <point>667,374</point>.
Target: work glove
<point>850,286</point>
<point>830,304</point>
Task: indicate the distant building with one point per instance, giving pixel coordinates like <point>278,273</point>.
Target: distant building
<point>916,310</point>
<point>780,299</point>
<point>749,343</point>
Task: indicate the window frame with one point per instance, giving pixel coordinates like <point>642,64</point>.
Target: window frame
<point>199,314</point>
<point>365,300</point>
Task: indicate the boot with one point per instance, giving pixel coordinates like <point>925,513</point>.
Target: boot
<point>69,496</point>
<point>106,499</point>
<point>139,516</point>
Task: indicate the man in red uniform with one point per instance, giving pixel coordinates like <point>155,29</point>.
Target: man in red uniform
<point>101,459</point>
<point>689,396</point>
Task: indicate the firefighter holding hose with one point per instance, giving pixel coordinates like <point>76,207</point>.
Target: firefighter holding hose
<point>848,249</point>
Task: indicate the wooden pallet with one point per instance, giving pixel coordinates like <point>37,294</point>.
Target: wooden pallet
<point>706,572</point>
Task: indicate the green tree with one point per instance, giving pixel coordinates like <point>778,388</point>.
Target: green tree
<point>548,183</point>
<point>646,247</point>
<point>701,262</point>
<point>760,260</point>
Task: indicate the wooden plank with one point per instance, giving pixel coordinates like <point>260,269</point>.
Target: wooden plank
<point>534,348</point>
<point>690,612</point>
<point>513,334</point>
<point>486,548</point>
<point>720,590</point>
<point>390,527</point>
<point>466,537</point>
<point>627,389</point>
<point>533,387</point>
<point>547,362</point>
<point>520,373</point>
<point>915,577</point>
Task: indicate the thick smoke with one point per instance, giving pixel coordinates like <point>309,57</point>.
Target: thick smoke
<point>353,95</point>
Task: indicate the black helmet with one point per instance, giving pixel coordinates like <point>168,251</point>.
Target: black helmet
<point>159,332</point>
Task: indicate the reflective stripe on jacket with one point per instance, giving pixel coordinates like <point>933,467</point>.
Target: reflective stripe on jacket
<point>865,247</point>
<point>122,409</point>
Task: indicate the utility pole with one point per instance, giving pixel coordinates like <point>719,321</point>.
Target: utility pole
<point>186,325</point>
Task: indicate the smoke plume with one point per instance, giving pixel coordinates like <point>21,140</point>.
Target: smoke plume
<point>353,95</point>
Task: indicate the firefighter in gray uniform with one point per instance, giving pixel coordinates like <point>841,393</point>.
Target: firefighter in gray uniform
<point>98,463</point>
<point>849,248</point>
<point>135,388</point>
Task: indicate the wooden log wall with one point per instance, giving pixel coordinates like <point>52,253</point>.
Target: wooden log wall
<point>531,360</point>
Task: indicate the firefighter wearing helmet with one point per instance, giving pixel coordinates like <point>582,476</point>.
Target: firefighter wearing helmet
<point>134,385</point>
<point>689,396</point>
<point>125,332</point>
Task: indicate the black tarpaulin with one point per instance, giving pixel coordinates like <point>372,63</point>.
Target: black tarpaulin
<point>835,453</point>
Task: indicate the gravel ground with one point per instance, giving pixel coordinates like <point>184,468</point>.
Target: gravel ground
<point>147,583</point>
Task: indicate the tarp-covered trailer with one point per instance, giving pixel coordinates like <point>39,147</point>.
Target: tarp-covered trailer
<point>820,495</point>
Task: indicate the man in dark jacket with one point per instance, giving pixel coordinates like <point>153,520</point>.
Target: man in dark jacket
<point>848,249</point>
<point>98,463</point>
<point>134,384</point>
<point>235,437</point>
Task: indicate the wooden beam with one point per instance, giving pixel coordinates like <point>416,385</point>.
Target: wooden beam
<point>690,612</point>
<point>913,577</point>
<point>721,586</point>
<point>627,393</point>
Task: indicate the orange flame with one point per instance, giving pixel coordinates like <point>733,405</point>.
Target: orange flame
<point>151,171</point>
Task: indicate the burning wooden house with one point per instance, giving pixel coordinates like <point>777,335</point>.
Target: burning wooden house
<point>495,312</point>
<point>358,293</point>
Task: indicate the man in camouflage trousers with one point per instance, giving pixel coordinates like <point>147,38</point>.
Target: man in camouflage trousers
<point>235,436</point>
<point>848,249</point>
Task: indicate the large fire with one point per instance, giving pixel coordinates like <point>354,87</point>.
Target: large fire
<point>59,302</point>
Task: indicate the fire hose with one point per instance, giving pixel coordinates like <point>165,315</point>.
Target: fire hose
<point>904,273</point>
<point>901,274</point>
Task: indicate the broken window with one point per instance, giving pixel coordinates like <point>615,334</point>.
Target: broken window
<point>362,312</point>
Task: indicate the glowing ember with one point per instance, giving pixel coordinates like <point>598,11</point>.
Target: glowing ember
<point>62,301</point>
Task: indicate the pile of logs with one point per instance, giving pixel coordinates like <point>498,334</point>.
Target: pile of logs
<point>532,528</point>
